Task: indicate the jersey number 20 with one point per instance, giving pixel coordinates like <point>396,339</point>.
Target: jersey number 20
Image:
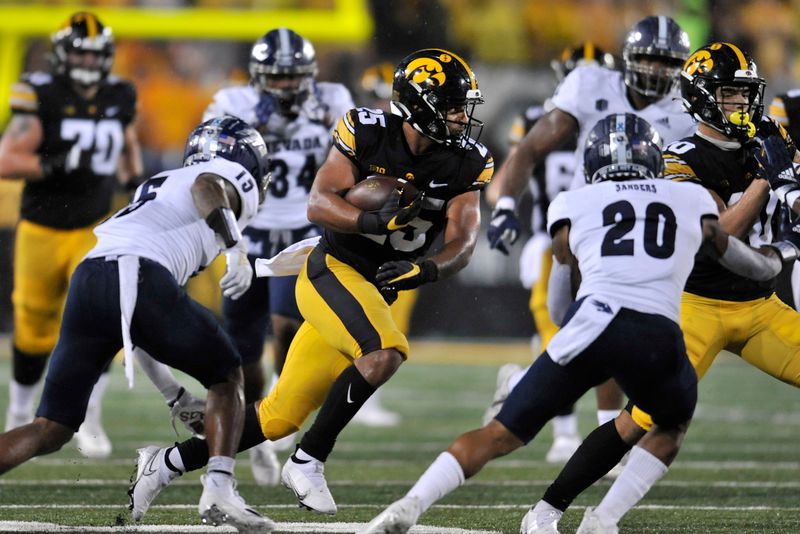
<point>659,230</point>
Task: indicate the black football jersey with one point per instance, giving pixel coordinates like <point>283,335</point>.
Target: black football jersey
<point>727,173</point>
<point>785,109</point>
<point>375,143</point>
<point>94,127</point>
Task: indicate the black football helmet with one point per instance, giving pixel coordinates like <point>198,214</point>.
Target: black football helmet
<point>428,83</point>
<point>83,32</point>
<point>723,65</point>
<point>232,139</point>
<point>282,53</point>
<point>622,146</point>
<point>655,39</point>
<point>586,53</point>
<point>376,81</point>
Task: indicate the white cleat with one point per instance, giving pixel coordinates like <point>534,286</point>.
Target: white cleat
<point>92,440</point>
<point>221,504</point>
<point>373,414</point>
<point>15,420</point>
<point>501,391</point>
<point>398,518</point>
<point>540,523</point>
<point>265,465</point>
<point>190,411</point>
<point>148,482</point>
<point>307,481</point>
<point>591,524</point>
<point>562,449</point>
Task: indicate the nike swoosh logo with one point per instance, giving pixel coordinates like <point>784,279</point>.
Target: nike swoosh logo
<point>434,185</point>
<point>148,468</point>
<point>349,400</point>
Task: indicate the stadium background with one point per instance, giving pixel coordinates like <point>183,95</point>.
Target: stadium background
<point>179,52</point>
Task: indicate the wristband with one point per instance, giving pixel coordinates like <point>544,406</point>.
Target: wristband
<point>506,203</point>
<point>223,222</point>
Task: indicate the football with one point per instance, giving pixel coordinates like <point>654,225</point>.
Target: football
<point>370,193</point>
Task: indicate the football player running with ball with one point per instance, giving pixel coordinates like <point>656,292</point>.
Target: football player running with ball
<point>745,162</point>
<point>624,246</point>
<point>71,136</point>
<point>189,215</point>
<point>349,345</point>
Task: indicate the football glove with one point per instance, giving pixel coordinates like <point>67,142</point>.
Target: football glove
<point>238,272</point>
<point>190,411</point>
<point>789,248</point>
<point>402,275</point>
<point>504,227</point>
<point>775,164</point>
<point>391,216</point>
<point>63,162</point>
<point>265,108</point>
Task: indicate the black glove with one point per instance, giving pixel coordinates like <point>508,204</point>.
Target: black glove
<point>54,163</point>
<point>404,274</point>
<point>775,164</point>
<point>391,216</point>
<point>503,229</point>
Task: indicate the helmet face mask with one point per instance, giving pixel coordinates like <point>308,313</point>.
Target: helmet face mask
<point>436,92</point>
<point>720,87</point>
<point>653,52</point>
<point>83,49</point>
<point>283,64</point>
<point>622,147</point>
<point>232,139</point>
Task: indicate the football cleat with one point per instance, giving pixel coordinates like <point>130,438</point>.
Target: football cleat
<point>373,414</point>
<point>591,524</point>
<point>221,504</point>
<point>148,482</point>
<point>15,420</point>
<point>92,440</point>
<point>540,523</point>
<point>265,465</point>
<point>190,411</point>
<point>307,481</point>
<point>398,518</point>
<point>501,391</point>
<point>562,449</point>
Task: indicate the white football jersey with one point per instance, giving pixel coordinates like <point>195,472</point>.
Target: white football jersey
<point>162,223</point>
<point>590,93</point>
<point>635,241</point>
<point>296,149</point>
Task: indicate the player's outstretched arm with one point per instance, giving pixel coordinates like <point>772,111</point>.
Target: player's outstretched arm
<point>548,134</point>
<point>757,264</point>
<point>18,146</point>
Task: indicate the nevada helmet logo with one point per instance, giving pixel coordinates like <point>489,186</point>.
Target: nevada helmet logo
<point>426,68</point>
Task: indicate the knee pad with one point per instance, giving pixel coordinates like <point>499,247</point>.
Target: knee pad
<point>29,368</point>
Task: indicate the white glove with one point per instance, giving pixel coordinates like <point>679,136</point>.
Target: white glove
<point>238,274</point>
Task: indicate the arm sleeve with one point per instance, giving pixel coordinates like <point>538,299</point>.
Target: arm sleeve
<point>559,291</point>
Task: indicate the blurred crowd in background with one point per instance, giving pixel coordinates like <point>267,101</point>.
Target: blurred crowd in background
<point>509,43</point>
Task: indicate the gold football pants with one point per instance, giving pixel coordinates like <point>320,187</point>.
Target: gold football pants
<point>345,317</point>
<point>545,326</point>
<point>44,259</point>
<point>764,332</point>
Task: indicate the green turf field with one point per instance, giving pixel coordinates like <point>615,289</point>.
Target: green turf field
<point>738,470</point>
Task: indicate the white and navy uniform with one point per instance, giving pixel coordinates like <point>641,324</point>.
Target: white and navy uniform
<point>635,242</point>
<point>590,93</point>
<point>297,147</point>
<point>130,285</point>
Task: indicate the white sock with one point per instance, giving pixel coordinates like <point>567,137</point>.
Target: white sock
<point>300,454</point>
<point>640,474</point>
<point>604,416</point>
<point>443,476</point>
<point>21,398</point>
<point>516,377</point>
<point>220,465</point>
<point>176,460</point>
<point>565,425</point>
<point>159,374</point>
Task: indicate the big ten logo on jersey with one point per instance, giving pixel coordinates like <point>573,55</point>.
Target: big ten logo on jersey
<point>103,139</point>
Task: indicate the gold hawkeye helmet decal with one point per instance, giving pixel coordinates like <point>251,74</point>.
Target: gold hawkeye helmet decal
<point>425,68</point>
<point>700,60</point>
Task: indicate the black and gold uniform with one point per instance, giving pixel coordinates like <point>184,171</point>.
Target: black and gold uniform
<point>721,310</point>
<point>59,212</point>
<point>785,110</point>
<point>345,314</point>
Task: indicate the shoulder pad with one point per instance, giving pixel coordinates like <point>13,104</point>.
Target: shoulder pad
<point>23,97</point>
<point>675,165</point>
<point>344,134</point>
